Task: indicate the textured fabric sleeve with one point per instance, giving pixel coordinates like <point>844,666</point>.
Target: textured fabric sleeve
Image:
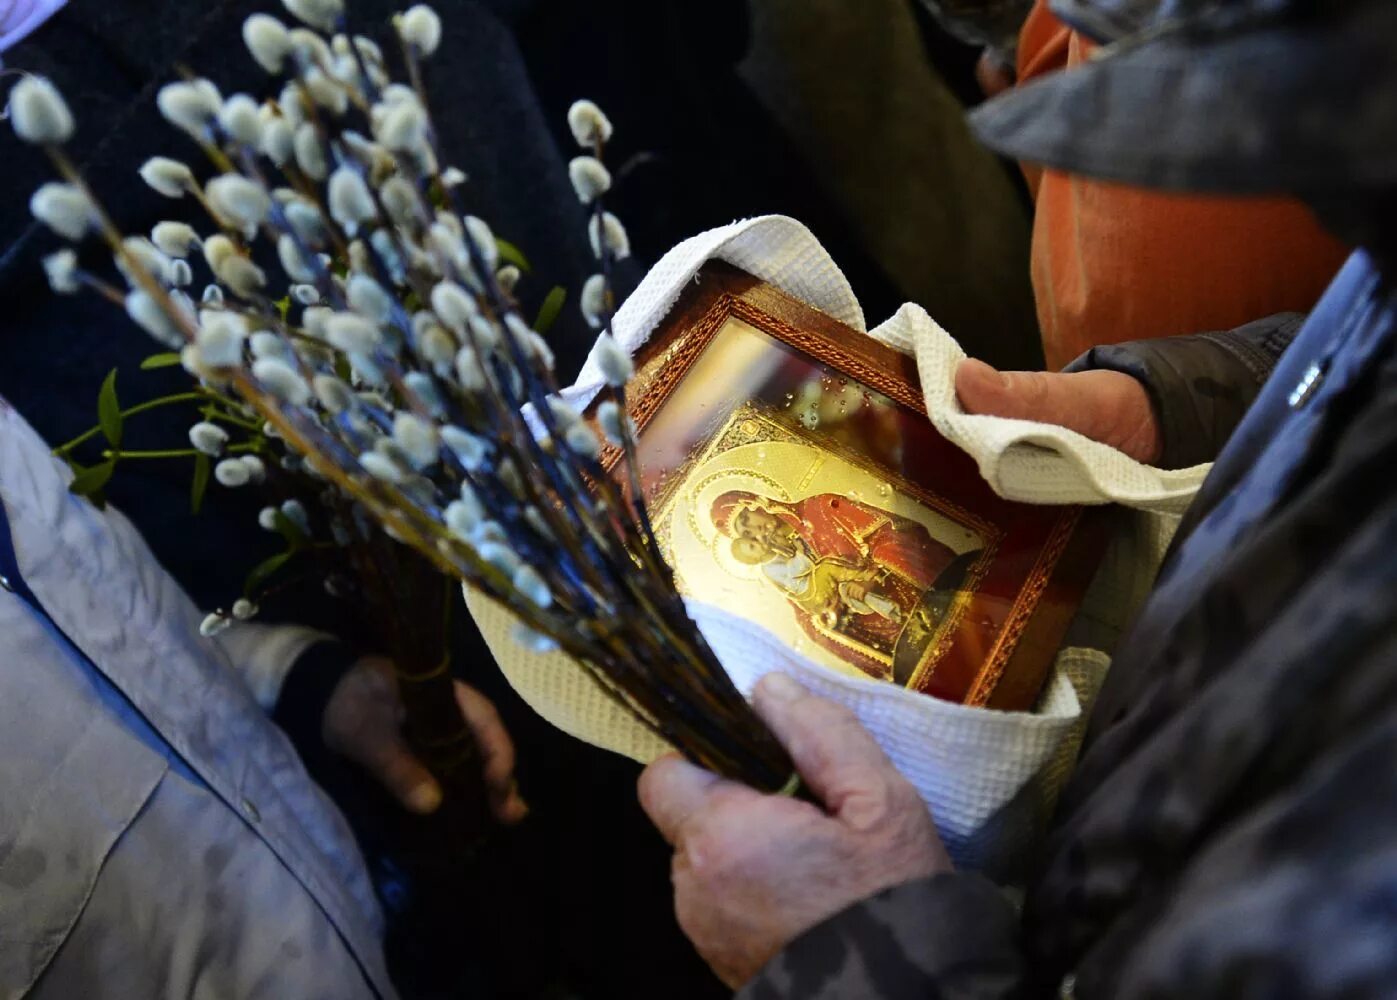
<point>1200,385</point>
<point>951,935</point>
<point>264,654</point>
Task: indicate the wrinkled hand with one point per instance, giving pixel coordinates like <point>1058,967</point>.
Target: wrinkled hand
<point>751,872</point>
<point>364,721</point>
<point>1106,406</point>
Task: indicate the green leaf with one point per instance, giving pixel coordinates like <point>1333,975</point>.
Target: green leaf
<point>91,480</point>
<point>263,572</point>
<point>511,254</point>
<point>200,485</point>
<point>166,360</point>
<point>291,531</point>
<point>109,410</point>
<point>283,306</point>
<point>552,306</point>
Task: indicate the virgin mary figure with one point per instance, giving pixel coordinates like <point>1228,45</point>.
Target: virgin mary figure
<point>857,576</point>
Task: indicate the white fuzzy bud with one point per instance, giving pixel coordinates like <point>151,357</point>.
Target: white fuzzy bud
<point>615,425</point>
<point>350,201</point>
<point>534,642</point>
<point>213,295</point>
<point>366,370</point>
<point>399,200</point>
<point>174,239</point>
<point>326,92</point>
<point>333,394</point>
<point>310,154</point>
<point>594,302</point>
<point>507,278</point>
<point>307,221</point>
<point>368,299</point>
<point>266,518</point>
<point>242,201</point>
<point>610,234</point>
<point>220,339</point>
<point>138,255</point>
<point>589,178</point>
<point>208,438</point>
<point>352,334</point>
<point>539,348</point>
<point>181,274</point>
<point>470,373</point>
<point>168,177</point>
<point>295,512</point>
<point>241,118</point>
<point>388,253</point>
<point>189,105</point>
<point>499,556</point>
<point>306,295</point>
<point>402,127</point>
<point>436,346</point>
<point>313,320</point>
<point>278,140</point>
<point>421,28</point>
<point>151,318</point>
<point>293,262</point>
<point>281,380</point>
<point>308,47</point>
<point>485,332</point>
<point>218,249</point>
<point>231,472</point>
<point>381,467</point>
<point>266,344</point>
<point>484,239</point>
<point>589,126</point>
<point>214,623</point>
<point>39,113</point>
<point>266,38</point>
<point>322,15</point>
<point>528,582</point>
<point>256,469</point>
<point>461,519</point>
<point>242,276</point>
<point>63,208</point>
<point>453,305</point>
<point>564,413</point>
<point>416,438</point>
<point>470,449</point>
<point>581,440</point>
<point>61,269</point>
<point>424,387</point>
<point>612,361</point>
<point>243,609</point>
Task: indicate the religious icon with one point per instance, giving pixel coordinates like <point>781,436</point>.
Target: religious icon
<point>861,580</point>
<point>795,480</point>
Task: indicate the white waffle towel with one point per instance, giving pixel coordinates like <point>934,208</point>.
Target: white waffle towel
<point>989,778</point>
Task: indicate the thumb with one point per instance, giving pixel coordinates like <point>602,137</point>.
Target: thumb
<point>392,762</point>
<point>1106,406</point>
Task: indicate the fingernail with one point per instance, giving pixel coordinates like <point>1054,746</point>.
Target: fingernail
<point>780,687</point>
<point>424,798</point>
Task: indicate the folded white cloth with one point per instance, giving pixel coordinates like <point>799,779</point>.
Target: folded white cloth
<point>989,778</point>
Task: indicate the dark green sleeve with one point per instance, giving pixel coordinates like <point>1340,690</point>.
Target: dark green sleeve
<point>948,936</point>
<point>1201,385</point>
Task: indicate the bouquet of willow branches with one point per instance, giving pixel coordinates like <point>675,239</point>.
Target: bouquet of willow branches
<point>392,365</point>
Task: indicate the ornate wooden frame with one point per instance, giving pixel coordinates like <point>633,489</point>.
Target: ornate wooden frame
<point>1010,673</point>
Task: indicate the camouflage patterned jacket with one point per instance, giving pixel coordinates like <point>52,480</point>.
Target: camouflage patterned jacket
<point>1231,829</point>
